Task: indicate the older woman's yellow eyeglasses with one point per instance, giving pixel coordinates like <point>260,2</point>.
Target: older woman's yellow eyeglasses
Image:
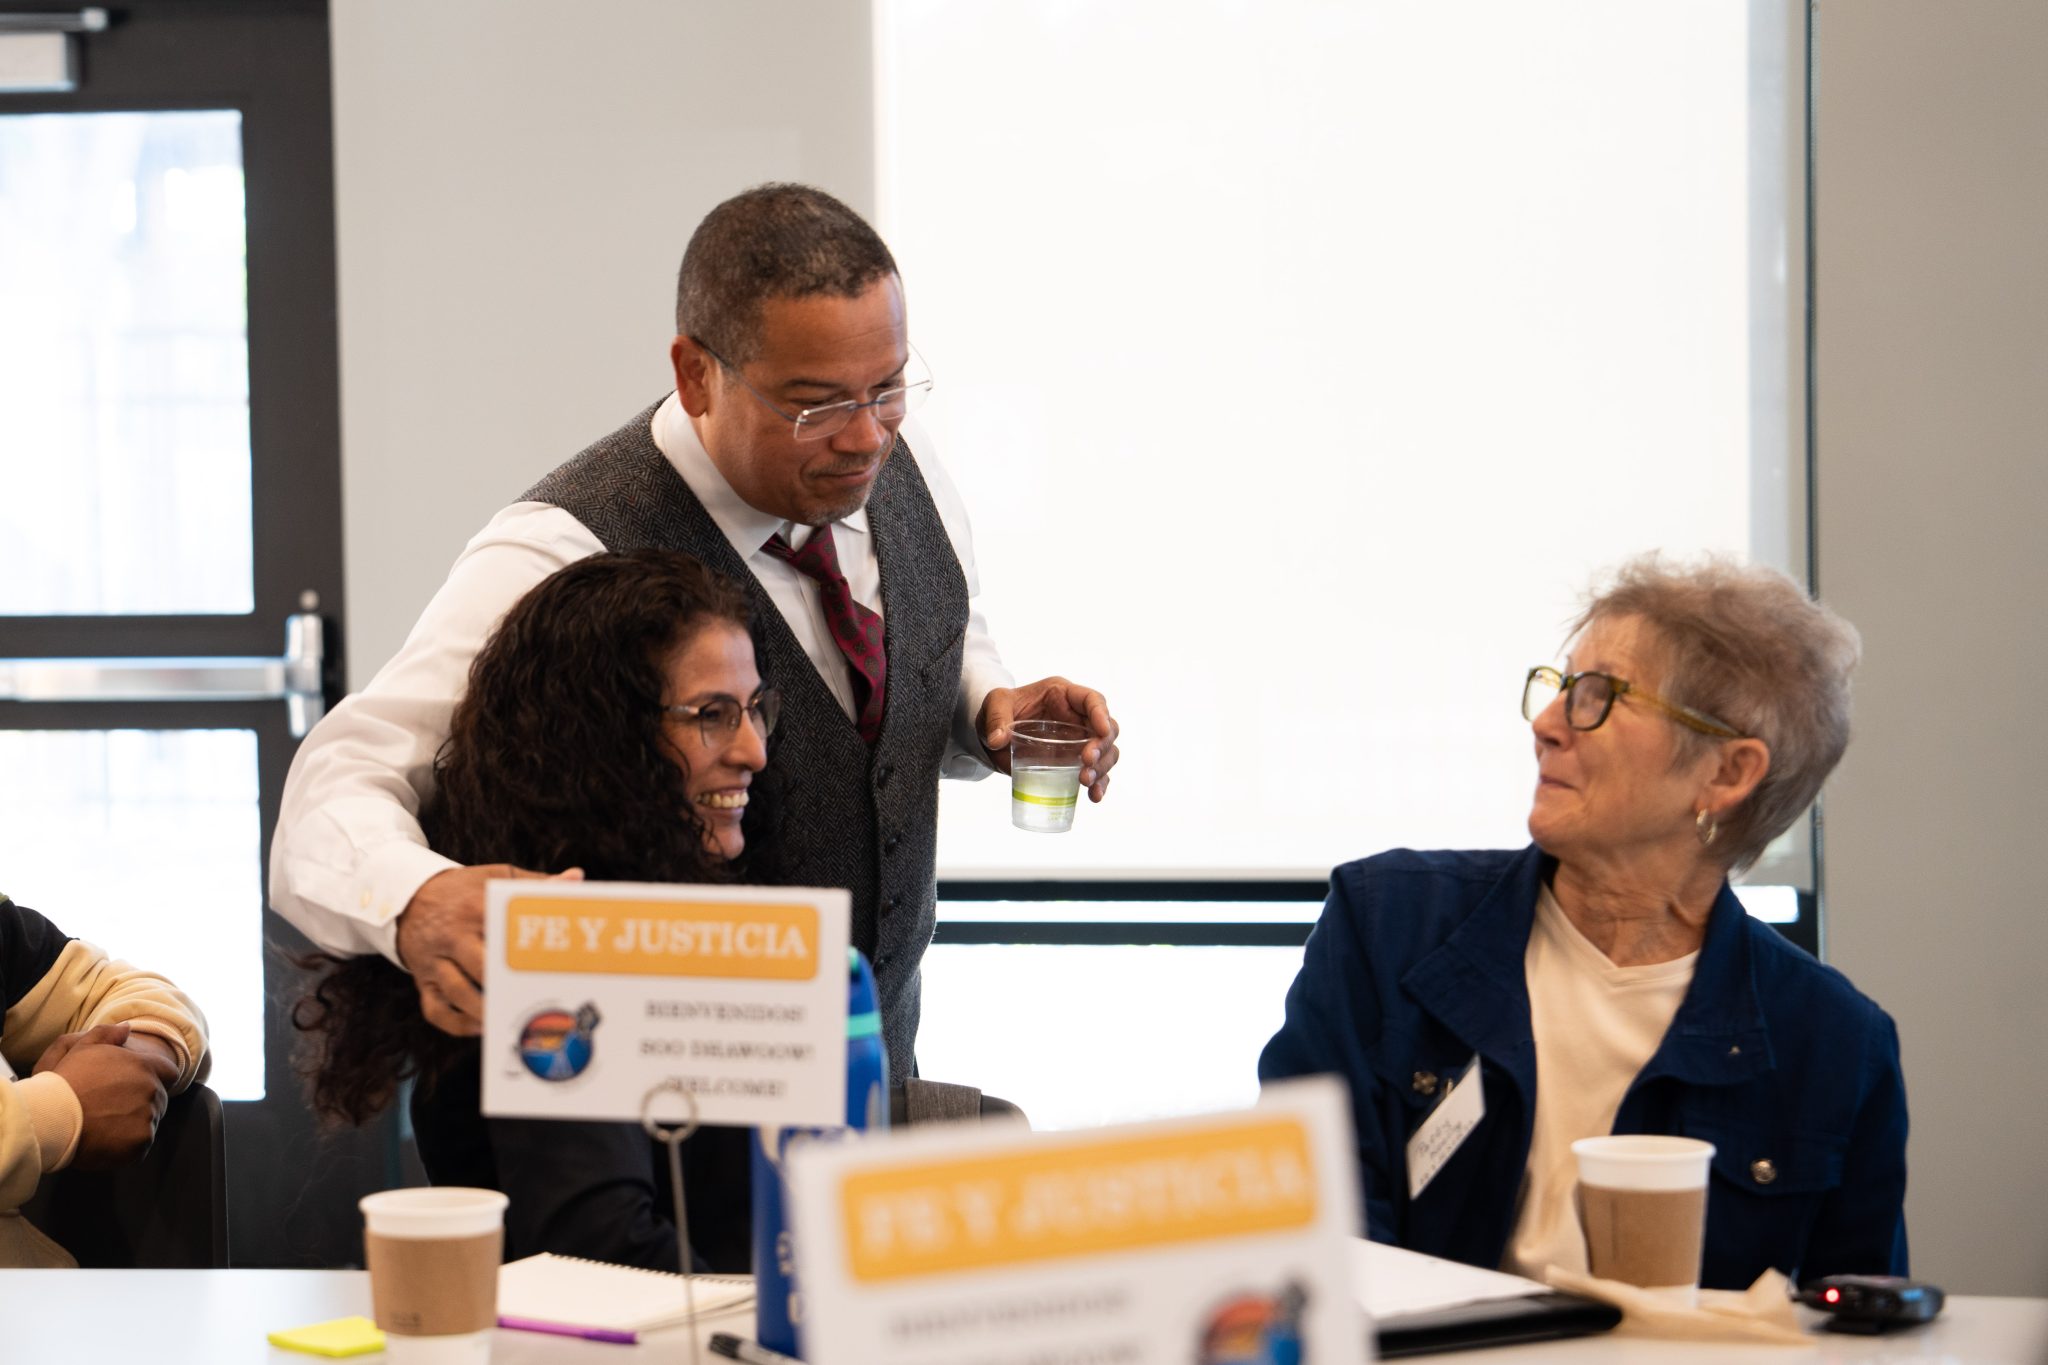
<point>1589,697</point>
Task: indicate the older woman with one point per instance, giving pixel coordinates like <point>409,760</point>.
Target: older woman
<point>1606,978</point>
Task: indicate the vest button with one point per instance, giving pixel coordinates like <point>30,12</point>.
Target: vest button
<point>889,844</point>
<point>889,905</point>
<point>882,776</point>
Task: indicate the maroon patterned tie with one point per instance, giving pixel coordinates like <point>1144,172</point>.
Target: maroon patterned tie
<point>856,630</point>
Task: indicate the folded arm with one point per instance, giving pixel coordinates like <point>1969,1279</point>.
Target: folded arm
<point>107,1044</point>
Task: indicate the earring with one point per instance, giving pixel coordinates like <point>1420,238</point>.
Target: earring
<point>1707,828</point>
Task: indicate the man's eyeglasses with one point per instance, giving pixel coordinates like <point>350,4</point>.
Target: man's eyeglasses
<point>816,424</point>
<point>718,720</point>
<point>1589,697</point>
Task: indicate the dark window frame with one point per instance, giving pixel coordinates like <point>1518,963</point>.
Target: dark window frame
<point>1095,932</point>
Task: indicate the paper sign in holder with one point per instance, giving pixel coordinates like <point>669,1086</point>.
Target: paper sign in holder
<point>666,967</point>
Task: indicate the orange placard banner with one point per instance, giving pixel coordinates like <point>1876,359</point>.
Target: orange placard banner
<point>738,939</point>
<point>1059,1200</point>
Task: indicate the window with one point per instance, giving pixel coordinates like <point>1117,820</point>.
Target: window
<point>170,506</point>
<point>126,427</point>
<point>1380,328</point>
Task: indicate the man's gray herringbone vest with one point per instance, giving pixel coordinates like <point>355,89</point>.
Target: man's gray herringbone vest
<point>852,817</point>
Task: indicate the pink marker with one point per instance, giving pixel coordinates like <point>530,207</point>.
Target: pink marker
<point>563,1329</point>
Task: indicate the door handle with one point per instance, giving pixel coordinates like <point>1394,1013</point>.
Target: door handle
<point>295,677</point>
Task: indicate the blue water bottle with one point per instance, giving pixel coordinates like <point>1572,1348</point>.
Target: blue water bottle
<point>777,1307</point>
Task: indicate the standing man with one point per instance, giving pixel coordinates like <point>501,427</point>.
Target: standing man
<point>779,462</point>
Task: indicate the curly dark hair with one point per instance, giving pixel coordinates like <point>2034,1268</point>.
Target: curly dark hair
<point>556,757</point>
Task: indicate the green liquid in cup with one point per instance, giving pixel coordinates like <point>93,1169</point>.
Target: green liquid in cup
<point>1042,799</point>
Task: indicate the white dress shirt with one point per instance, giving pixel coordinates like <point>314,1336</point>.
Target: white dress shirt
<point>348,853</point>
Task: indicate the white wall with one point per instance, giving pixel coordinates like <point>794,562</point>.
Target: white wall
<point>516,180</point>
<point>1932,270</point>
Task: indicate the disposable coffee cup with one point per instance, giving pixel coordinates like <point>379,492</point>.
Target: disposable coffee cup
<point>1045,774</point>
<point>1643,1206</point>
<point>433,1255</point>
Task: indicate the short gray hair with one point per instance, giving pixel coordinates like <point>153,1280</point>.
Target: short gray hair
<point>772,241</point>
<point>1746,645</point>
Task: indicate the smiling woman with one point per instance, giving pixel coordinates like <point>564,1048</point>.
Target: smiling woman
<point>1698,713</point>
<point>614,727</point>
<point>1635,796</point>
<point>719,734</point>
<point>1746,646</point>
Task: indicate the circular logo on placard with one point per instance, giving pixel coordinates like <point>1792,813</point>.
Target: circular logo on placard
<point>555,1044</point>
<point>1256,1329</point>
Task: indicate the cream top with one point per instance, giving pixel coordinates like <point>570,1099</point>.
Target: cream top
<point>1596,1026</point>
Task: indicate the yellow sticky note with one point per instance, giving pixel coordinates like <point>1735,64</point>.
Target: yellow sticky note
<point>342,1337</point>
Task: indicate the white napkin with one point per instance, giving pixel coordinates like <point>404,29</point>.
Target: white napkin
<point>1762,1313</point>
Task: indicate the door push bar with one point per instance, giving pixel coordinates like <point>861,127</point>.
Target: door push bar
<point>296,677</point>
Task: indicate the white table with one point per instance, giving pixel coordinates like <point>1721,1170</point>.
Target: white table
<point>220,1317</point>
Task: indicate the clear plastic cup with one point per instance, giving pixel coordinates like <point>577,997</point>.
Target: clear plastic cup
<point>1045,774</point>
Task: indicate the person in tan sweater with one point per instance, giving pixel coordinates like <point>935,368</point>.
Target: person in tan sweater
<point>91,1050</point>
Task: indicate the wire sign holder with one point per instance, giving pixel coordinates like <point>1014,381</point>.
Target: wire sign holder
<point>673,1136</point>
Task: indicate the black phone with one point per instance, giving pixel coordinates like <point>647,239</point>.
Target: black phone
<point>1872,1303</point>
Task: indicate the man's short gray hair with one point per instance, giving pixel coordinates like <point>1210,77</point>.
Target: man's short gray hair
<point>1747,646</point>
<point>769,242</point>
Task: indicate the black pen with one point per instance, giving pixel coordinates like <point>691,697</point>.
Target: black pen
<point>737,1348</point>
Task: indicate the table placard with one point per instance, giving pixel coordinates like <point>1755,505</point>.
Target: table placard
<point>1220,1239</point>
<point>595,993</point>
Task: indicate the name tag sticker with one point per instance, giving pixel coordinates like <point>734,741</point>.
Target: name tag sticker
<point>1217,1237</point>
<point>1446,1128</point>
<point>597,992</point>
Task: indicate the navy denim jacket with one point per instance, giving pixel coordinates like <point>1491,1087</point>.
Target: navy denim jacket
<point>1417,964</point>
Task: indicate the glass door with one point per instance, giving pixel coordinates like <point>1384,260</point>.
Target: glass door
<point>170,531</point>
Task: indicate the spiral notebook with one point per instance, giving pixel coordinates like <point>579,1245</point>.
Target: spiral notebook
<point>613,1298</point>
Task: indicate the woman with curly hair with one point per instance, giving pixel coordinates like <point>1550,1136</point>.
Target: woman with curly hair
<point>615,728</point>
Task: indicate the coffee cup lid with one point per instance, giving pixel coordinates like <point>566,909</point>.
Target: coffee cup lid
<point>434,1211</point>
<point>1643,1161</point>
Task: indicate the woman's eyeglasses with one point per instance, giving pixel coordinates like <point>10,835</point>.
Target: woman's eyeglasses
<point>718,720</point>
<point>1589,697</point>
